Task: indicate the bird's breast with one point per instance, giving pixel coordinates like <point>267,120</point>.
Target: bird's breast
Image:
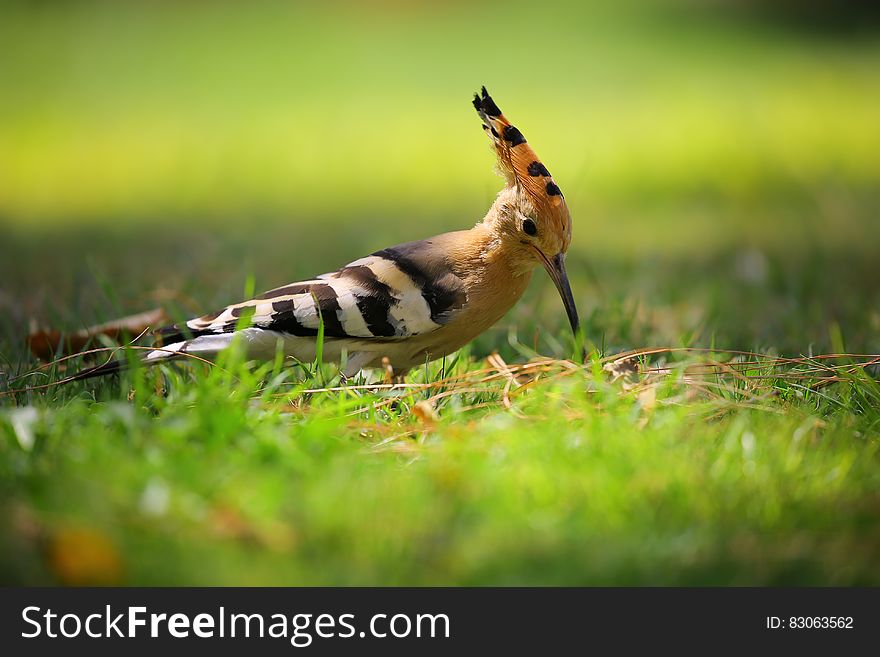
<point>490,296</point>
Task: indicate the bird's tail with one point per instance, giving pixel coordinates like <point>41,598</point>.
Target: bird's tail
<point>203,345</point>
<point>153,357</point>
<point>110,367</point>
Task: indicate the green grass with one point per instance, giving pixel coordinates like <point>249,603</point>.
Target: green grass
<point>722,175</point>
<point>145,112</point>
<point>239,476</point>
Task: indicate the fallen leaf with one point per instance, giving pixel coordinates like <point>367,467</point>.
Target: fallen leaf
<point>425,413</point>
<point>44,343</point>
<point>80,556</point>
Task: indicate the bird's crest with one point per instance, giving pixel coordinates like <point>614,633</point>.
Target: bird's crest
<point>520,164</point>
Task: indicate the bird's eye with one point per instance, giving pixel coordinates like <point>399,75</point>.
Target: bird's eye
<point>529,227</point>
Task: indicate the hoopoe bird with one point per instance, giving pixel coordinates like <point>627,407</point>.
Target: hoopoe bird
<point>410,303</point>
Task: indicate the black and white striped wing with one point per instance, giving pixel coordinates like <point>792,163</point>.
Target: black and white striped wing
<point>393,294</point>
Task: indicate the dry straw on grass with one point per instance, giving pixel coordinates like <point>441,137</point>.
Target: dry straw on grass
<point>730,376</point>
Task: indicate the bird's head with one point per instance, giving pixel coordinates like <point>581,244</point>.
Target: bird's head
<point>530,216</point>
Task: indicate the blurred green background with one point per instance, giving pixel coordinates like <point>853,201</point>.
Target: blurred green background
<point>710,152</point>
<point>722,164</point>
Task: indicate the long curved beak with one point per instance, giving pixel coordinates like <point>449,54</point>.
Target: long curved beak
<point>556,268</point>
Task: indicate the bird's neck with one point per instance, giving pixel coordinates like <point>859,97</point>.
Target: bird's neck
<point>484,253</point>
<point>495,272</point>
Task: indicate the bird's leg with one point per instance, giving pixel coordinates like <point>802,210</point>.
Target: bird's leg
<point>390,375</point>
